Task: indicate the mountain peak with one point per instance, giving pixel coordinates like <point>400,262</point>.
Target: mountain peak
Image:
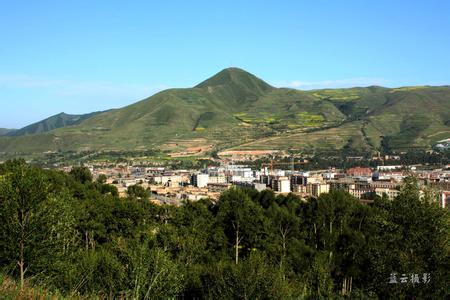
<point>236,77</point>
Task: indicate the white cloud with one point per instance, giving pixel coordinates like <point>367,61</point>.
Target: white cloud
<point>340,83</point>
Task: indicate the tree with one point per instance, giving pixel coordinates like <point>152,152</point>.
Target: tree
<point>408,235</point>
<point>81,174</point>
<point>195,241</point>
<point>36,225</point>
<point>138,192</point>
<point>242,220</point>
<point>285,226</point>
<point>102,179</point>
<point>109,189</point>
<point>153,274</point>
<point>414,240</point>
<point>255,277</point>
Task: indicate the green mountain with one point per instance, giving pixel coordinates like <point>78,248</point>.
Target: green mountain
<point>236,110</point>
<point>397,118</point>
<point>54,122</point>
<point>5,131</point>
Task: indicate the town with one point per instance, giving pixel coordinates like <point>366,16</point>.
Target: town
<point>167,186</point>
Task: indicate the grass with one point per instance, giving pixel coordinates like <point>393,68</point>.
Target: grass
<point>9,289</point>
<point>333,138</point>
<point>340,94</point>
<point>307,119</point>
<point>330,96</point>
<point>302,119</point>
<point>407,89</point>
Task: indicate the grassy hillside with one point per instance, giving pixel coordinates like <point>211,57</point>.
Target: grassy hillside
<point>236,110</point>
<point>396,118</point>
<point>416,117</point>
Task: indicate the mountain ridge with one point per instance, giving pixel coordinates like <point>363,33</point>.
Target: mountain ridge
<point>6,131</point>
<point>53,122</point>
<point>234,109</point>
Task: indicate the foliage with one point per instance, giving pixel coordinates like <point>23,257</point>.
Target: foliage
<point>68,237</point>
<point>81,174</point>
<point>138,192</point>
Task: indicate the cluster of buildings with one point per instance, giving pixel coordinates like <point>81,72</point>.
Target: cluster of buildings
<point>174,186</point>
<point>443,145</point>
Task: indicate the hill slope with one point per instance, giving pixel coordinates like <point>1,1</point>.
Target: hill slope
<point>236,110</point>
<point>396,118</point>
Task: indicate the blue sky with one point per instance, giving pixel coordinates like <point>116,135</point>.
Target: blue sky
<point>82,56</point>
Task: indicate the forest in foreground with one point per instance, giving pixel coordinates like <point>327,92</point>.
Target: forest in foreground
<point>68,236</point>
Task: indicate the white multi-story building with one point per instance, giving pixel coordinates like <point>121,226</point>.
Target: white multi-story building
<point>316,189</point>
<point>282,184</point>
<point>390,192</point>
<point>444,199</point>
<point>219,178</point>
<point>200,180</point>
<point>168,180</point>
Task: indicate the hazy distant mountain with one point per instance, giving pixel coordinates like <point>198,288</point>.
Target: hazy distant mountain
<point>54,122</point>
<point>5,131</point>
<point>234,109</point>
